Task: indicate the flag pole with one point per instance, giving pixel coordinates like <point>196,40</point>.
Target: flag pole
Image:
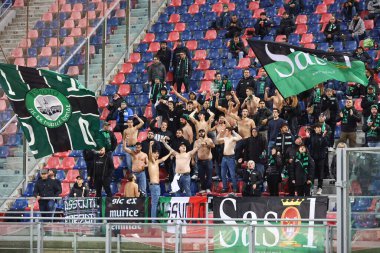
<point>5,57</point>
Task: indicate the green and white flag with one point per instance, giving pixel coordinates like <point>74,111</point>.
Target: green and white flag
<point>55,111</point>
<point>296,69</point>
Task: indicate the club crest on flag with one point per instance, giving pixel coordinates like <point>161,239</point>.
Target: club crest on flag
<point>49,107</point>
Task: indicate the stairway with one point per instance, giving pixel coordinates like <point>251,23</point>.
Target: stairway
<point>16,30</point>
<point>116,43</point>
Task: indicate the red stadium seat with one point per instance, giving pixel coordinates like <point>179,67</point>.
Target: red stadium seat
<point>53,42</point>
<point>71,176</point>
<point>254,5</point>
<point>251,54</point>
<point>301,19</point>
<point>256,13</point>
<point>17,52</point>
<point>12,128</point>
<point>209,75</point>
<point>53,8</point>
<point>199,55</point>
<point>142,136</point>
<point>68,163</point>
<point>126,68</point>
<point>120,13</point>
<point>124,90</point>
<point>62,155</point>
<point>76,15</point>
<point>231,6</point>
<point>31,62</point>
<point>66,8</point>
<point>18,3</point>
<point>76,32</point>
<point>73,71</point>
<point>217,7</point>
<point>369,24</point>
<point>68,42</point>
<point>33,34</point>
<point>174,18</point>
<point>193,9</point>
<point>200,2</point>
<point>149,37</point>
<point>78,7</point>
<point>329,2</point>
<point>120,193</point>
<point>301,29</point>
<point>224,1</point>
<point>192,45</point>
<point>281,11</point>
<point>321,8</point>
<point>46,52</point>
<point>104,114</point>
<point>205,86</point>
<point>148,112</point>
<point>102,101</point>
<point>358,105</point>
<point>55,62</point>
<point>244,63</point>
<point>325,18</point>
<point>69,24</point>
<point>306,38</point>
<point>176,3</point>
<point>302,132</point>
<point>119,78</point>
<point>119,137</point>
<point>19,61</point>
<point>116,162</point>
<point>203,65</point>
<point>211,35</point>
<point>281,38</point>
<point>24,43</point>
<point>65,189</point>
<point>134,58</point>
<point>53,163</point>
<point>173,36</point>
<point>169,77</point>
<point>310,45</point>
<point>180,27</point>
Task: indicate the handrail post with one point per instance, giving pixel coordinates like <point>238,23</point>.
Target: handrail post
<point>40,244</point>
<point>24,159</point>
<point>327,237</point>
<point>177,228</point>
<point>87,64</point>
<point>127,28</point>
<point>251,239</point>
<point>207,223</point>
<point>108,238</point>
<point>149,12</point>
<point>104,42</point>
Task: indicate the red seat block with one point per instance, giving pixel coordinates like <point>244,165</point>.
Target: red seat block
<point>71,176</point>
<point>306,38</point>
<point>124,90</point>
<point>65,189</point>
<point>199,55</point>
<point>176,3</point>
<point>102,101</point>
<point>192,45</point>
<point>301,29</point>
<point>126,68</point>
<point>134,58</point>
<point>211,35</point>
<point>149,37</point>
<point>193,9</point>
<point>118,79</point>
<point>53,163</point>
<point>180,27</point>
<point>174,18</point>
<point>244,63</point>
<point>254,5</point>
<point>153,47</point>
<point>173,36</point>
<point>369,24</point>
<point>209,75</point>
<point>301,19</point>
<point>321,8</point>
<point>203,65</point>
<point>68,163</point>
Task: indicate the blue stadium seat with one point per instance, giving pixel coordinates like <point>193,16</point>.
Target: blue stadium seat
<point>198,16</point>
<point>136,88</point>
<point>186,18</point>
<point>222,34</point>
<point>32,52</point>
<point>14,140</point>
<point>63,32</point>
<point>217,43</point>
<point>62,51</point>
<point>319,38</point>
<point>80,164</point>
<point>313,19</point>
<point>43,62</point>
<point>156,28</point>
<point>47,33</point>
<point>203,44</point>
<point>323,46</point>
<point>197,75</point>
<point>197,35</point>
<point>166,27</point>
<point>213,54</point>
<point>163,18</point>
<point>186,35</point>
<point>119,151</point>
<point>60,175</point>
<point>293,39</point>
<point>216,64</point>
<point>110,90</point>
<point>63,16</point>
<point>114,188</point>
<point>39,42</point>
<point>314,29</point>
<point>20,204</point>
<point>338,45</point>
<point>206,9</point>
<point>361,204</point>
<point>76,153</point>
<point>137,110</point>
<point>139,67</point>
<point>54,25</point>
<point>161,36</point>
<point>147,57</point>
<point>181,9</point>
<point>39,25</point>
<point>170,10</point>
<point>29,190</point>
<point>350,45</point>
<point>131,78</point>
<point>131,101</point>
<point>232,63</point>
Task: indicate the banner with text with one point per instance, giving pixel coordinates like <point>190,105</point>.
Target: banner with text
<point>287,235</point>
<point>125,208</point>
<point>182,207</point>
<point>81,209</point>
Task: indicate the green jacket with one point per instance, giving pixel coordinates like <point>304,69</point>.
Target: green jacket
<point>222,90</point>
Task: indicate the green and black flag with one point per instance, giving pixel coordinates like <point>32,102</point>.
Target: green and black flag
<point>55,111</point>
<point>296,69</point>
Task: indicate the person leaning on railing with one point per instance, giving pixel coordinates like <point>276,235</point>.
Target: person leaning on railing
<point>46,188</point>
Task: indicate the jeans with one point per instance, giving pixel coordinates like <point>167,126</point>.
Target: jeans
<point>271,144</point>
<point>100,183</point>
<point>205,170</point>
<point>228,164</point>
<point>47,205</point>
<point>128,158</point>
<point>240,55</point>
<point>141,180</point>
<point>373,144</point>
<point>260,168</point>
<point>184,185</point>
<point>155,193</point>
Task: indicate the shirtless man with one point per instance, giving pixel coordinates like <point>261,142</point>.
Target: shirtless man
<point>182,168</point>
<point>277,99</point>
<point>251,102</point>
<point>186,129</point>
<point>228,160</point>
<point>202,123</point>
<point>192,97</point>
<point>233,107</point>
<point>130,137</point>
<point>131,189</point>
<point>245,124</point>
<point>204,161</point>
<point>154,175</point>
<point>139,162</point>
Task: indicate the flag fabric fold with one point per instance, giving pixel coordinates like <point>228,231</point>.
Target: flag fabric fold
<point>56,113</point>
<point>295,69</point>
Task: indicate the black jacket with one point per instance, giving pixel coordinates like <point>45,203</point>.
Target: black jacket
<point>262,29</point>
<point>318,146</point>
<point>79,192</point>
<point>283,141</point>
<point>176,142</point>
<point>260,115</point>
<point>165,57</point>
<point>253,148</point>
<point>145,146</point>
<point>367,102</point>
<point>349,122</point>
<point>251,177</point>
<point>330,103</point>
<point>46,188</point>
<point>301,175</point>
<point>287,22</point>
<point>102,167</point>
<point>243,84</point>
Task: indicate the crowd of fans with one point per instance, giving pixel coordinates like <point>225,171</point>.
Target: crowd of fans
<point>248,133</point>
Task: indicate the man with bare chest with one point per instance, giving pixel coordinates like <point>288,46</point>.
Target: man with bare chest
<point>202,123</point>
<point>277,99</point>
<point>139,162</point>
<point>130,137</point>
<point>218,150</point>
<point>187,129</point>
<point>154,175</point>
<point>182,168</point>
<point>228,160</point>
<point>204,161</point>
<point>245,124</point>
<point>251,102</point>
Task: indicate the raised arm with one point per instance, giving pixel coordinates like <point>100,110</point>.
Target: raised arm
<point>163,159</point>
<point>141,122</point>
<point>236,99</point>
<point>151,143</point>
<point>237,137</point>
<point>179,95</point>
<point>191,117</point>
<point>168,147</point>
<point>219,140</point>
<point>266,98</point>
<point>234,116</point>
<point>211,118</point>
<point>194,150</point>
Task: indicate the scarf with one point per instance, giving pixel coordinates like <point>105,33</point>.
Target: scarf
<point>317,96</point>
<point>371,97</point>
<point>331,27</point>
<point>182,69</point>
<point>376,123</point>
<point>272,161</point>
<point>345,112</point>
<point>304,160</point>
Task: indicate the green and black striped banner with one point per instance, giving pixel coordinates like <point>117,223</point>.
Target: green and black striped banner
<point>296,69</point>
<point>55,111</point>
